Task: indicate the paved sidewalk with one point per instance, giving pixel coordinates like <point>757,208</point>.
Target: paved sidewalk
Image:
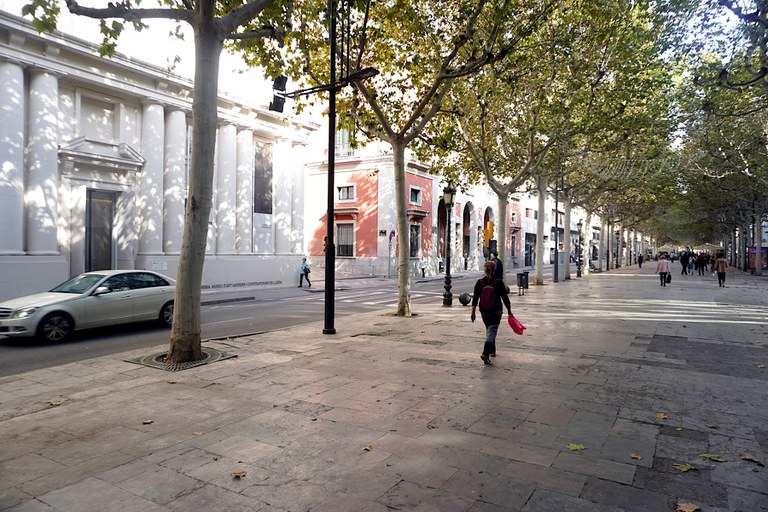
<point>617,387</point>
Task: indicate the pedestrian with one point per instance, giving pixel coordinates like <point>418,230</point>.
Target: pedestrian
<point>490,293</point>
<point>640,261</point>
<point>684,260</point>
<point>498,273</point>
<point>662,268</point>
<point>423,266</point>
<point>304,273</point>
<point>721,264</point>
<point>701,263</point>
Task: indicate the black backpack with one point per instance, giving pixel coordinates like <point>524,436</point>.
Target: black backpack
<point>488,296</point>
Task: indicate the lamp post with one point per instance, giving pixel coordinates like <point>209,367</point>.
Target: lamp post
<point>449,194</point>
<point>579,226</point>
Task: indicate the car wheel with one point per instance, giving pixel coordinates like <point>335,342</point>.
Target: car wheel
<point>55,327</point>
<point>166,314</point>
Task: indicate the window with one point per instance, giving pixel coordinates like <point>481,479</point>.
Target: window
<point>415,240</point>
<point>345,236</point>
<point>343,143</point>
<point>262,179</point>
<point>415,195</point>
<point>118,283</point>
<point>513,217</point>
<point>144,280</point>
<point>346,192</point>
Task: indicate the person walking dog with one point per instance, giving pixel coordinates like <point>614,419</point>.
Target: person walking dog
<point>489,294</point>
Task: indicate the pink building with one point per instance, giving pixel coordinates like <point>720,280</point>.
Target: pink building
<point>365,218</point>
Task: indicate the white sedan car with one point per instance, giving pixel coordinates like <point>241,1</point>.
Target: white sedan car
<point>93,299</point>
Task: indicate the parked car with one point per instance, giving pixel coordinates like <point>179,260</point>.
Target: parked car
<point>92,299</point>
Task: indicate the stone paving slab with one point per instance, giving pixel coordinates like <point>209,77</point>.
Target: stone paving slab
<point>401,414</point>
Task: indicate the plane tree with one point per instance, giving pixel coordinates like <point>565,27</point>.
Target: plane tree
<point>421,50</point>
<point>213,22</point>
<point>726,147</point>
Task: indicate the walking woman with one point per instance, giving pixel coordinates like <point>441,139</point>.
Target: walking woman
<point>304,273</point>
<point>490,293</point>
<point>721,264</point>
<point>662,268</point>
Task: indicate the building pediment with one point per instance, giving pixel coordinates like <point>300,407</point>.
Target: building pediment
<point>105,155</point>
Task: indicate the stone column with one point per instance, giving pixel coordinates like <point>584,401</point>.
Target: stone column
<point>42,185</point>
<point>174,180</point>
<point>226,168</point>
<point>298,244</point>
<point>283,164</point>
<point>150,205</point>
<point>244,222</point>
<point>12,159</point>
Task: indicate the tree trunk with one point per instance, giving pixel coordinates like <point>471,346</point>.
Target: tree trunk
<point>567,234</point>
<point>501,228</point>
<point>758,237</point>
<point>601,250</point>
<point>403,233</point>
<point>541,186</point>
<point>586,253</point>
<point>185,343</point>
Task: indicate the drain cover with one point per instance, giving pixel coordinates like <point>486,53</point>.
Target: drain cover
<point>210,355</point>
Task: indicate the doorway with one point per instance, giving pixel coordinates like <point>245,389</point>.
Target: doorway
<point>99,222</point>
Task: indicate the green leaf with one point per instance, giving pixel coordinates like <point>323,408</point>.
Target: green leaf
<point>711,456</point>
<point>683,467</point>
<point>575,447</point>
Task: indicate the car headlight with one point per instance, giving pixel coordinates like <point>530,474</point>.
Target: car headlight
<point>23,313</point>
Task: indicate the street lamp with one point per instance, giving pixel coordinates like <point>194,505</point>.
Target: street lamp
<point>449,194</point>
<point>579,226</point>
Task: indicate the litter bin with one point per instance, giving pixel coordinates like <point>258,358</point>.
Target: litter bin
<point>522,282</point>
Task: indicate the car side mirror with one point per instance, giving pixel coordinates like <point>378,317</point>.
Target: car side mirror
<point>101,290</point>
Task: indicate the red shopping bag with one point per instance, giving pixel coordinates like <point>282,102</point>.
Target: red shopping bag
<point>515,324</point>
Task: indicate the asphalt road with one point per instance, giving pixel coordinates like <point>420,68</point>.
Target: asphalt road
<point>268,310</point>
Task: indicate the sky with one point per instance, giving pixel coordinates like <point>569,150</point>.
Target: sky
<point>154,46</point>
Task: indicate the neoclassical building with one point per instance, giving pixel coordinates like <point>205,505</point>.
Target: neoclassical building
<point>94,162</point>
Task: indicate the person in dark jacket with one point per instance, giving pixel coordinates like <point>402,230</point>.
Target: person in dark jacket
<point>492,316</point>
<point>498,273</point>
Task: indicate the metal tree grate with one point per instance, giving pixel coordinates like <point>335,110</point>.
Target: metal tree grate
<point>210,355</point>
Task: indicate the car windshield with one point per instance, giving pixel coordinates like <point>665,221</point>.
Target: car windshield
<point>79,284</point>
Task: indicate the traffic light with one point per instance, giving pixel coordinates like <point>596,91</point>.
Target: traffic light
<point>487,233</point>
<point>325,242</point>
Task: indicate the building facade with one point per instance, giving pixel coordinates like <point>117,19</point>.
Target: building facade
<point>94,166</point>
<point>365,216</point>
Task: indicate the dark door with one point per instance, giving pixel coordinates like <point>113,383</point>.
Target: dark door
<point>99,222</point>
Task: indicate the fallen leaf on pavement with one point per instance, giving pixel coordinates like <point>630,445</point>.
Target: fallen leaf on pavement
<point>239,474</point>
<point>54,404</point>
<point>710,426</point>
<point>368,448</point>
<point>147,422</point>
<point>750,458</point>
<point>575,447</point>
<point>687,507</point>
<point>661,416</point>
<point>711,456</point>
<point>760,365</point>
<point>197,433</point>
<point>635,456</point>
<point>683,467</point>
